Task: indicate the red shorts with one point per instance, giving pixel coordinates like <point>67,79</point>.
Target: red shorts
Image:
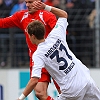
<point>45,76</point>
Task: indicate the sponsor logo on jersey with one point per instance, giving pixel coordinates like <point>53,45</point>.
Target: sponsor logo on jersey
<point>41,17</point>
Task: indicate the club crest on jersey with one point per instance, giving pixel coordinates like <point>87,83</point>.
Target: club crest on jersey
<point>24,16</point>
<point>56,26</point>
<point>41,17</point>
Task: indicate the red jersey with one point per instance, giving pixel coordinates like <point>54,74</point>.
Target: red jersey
<point>22,18</point>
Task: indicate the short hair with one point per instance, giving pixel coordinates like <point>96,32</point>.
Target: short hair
<point>36,28</point>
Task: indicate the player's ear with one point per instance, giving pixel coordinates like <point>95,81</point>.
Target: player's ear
<point>33,36</point>
<point>26,30</point>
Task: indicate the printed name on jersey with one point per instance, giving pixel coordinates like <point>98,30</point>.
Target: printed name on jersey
<point>65,63</point>
<point>52,49</point>
<point>67,70</point>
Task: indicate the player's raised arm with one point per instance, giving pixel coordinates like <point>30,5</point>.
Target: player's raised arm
<point>58,12</point>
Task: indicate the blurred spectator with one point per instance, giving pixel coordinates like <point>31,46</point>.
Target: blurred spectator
<point>19,41</point>
<point>54,3</point>
<point>87,37</point>
<point>91,18</point>
<point>4,40</point>
<point>91,29</point>
<point>74,12</point>
<point>72,4</point>
<point>10,3</point>
<point>92,14</point>
<point>19,6</point>
<point>3,9</point>
<point>43,0</point>
<point>78,28</point>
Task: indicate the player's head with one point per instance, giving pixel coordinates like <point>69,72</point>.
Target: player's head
<point>36,31</point>
<point>29,5</point>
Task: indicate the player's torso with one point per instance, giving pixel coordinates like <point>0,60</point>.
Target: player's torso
<point>56,57</point>
<point>62,65</point>
<point>26,19</point>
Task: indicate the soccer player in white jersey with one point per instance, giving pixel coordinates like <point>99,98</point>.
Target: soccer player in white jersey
<point>71,74</point>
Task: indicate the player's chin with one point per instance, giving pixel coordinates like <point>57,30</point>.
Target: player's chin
<point>32,11</point>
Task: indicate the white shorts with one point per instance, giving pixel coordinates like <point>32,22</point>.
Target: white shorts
<point>89,92</point>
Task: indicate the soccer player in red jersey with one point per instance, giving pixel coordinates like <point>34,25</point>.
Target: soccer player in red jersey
<point>53,52</point>
<point>21,19</point>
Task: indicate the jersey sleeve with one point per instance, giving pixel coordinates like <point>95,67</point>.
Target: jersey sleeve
<point>51,19</point>
<point>62,22</point>
<point>37,66</point>
<point>60,29</point>
<point>11,21</point>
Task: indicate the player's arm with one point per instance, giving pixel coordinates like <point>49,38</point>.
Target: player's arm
<point>11,21</point>
<point>31,84</point>
<point>58,12</point>
<point>36,74</point>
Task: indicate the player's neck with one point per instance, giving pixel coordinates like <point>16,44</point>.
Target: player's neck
<point>39,41</point>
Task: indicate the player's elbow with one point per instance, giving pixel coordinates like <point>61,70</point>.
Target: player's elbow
<point>65,15</point>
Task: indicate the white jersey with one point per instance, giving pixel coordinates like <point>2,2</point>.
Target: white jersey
<point>70,74</point>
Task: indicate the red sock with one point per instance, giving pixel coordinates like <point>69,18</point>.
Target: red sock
<point>49,98</point>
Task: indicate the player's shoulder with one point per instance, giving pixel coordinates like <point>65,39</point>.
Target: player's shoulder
<point>22,12</point>
<point>46,12</point>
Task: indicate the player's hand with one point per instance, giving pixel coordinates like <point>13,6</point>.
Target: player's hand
<point>38,5</point>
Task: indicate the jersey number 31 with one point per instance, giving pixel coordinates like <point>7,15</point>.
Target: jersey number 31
<point>59,59</point>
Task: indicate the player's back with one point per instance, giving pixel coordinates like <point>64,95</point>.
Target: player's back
<point>61,63</point>
<point>63,66</point>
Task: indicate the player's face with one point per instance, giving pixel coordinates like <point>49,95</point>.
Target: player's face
<point>29,5</point>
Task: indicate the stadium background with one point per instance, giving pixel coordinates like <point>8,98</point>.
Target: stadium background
<point>83,39</point>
